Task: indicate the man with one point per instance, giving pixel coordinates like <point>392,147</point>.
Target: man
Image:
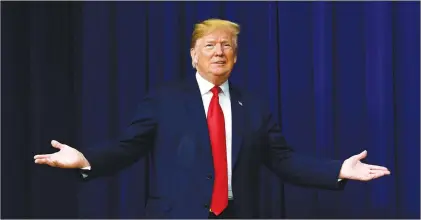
<point>208,139</point>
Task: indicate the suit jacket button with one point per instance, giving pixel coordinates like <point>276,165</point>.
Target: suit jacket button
<point>209,177</point>
<point>206,206</point>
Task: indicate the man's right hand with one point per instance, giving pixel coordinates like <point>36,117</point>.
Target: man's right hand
<point>66,157</point>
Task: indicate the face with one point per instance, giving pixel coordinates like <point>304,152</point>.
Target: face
<point>215,56</point>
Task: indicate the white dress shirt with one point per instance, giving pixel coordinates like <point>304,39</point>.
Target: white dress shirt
<point>225,102</point>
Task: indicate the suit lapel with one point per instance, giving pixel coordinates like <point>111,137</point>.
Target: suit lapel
<point>197,117</point>
<point>237,109</point>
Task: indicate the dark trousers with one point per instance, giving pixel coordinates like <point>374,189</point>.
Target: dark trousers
<point>227,213</point>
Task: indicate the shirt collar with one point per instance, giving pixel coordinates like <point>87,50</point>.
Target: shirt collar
<point>205,86</point>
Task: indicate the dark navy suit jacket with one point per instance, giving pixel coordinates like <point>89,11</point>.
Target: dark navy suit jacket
<point>170,126</point>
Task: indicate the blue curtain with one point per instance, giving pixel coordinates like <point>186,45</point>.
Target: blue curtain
<point>342,77</point>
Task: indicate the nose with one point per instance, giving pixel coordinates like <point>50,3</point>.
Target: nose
<point>219,50</point>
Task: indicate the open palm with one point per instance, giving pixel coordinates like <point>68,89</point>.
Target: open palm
<point>66,157</point>
<point>354,169</point>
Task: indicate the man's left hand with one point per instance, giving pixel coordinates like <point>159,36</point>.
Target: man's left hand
<point>354,169</point>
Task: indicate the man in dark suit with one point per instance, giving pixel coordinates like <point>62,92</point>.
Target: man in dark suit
<point>207,139</point>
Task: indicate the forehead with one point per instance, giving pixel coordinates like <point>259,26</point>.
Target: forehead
<point>218,35</point>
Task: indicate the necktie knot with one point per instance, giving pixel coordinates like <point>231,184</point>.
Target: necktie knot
<point>216,90</point>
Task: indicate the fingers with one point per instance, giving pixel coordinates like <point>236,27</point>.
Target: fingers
<point>375,167</point>
<point>47,161</point>
<point>56,144</point>
<point>377,174</point>
<point>42,156</point>
<point>51,159</point>
<point>383,172</point>
<point>41,161</point>
<point>374,174</point>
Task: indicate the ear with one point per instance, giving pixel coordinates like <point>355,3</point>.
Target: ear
<point>235,59</point>
<point>193,54</point>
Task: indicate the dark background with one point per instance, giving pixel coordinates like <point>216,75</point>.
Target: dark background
<point>342,77</point>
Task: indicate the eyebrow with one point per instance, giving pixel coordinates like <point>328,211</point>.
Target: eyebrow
<point>213,41</point>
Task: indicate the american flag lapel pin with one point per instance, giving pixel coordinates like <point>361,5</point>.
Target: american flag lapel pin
<point>240,103</point>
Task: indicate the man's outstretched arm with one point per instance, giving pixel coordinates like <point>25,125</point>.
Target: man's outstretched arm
<point>135,142</point>
<point>310,171</point>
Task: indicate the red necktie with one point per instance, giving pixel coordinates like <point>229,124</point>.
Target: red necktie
<point>216,125</point>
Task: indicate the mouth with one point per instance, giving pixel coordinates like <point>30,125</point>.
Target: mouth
<point>220,62</point>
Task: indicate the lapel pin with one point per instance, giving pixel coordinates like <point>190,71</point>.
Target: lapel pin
<point>240,103</point>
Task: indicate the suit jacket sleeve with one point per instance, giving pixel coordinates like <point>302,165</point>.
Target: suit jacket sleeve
<point>294,168</point>
<point>135,142</point>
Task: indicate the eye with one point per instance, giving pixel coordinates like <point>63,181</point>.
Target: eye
<point>209,45</point>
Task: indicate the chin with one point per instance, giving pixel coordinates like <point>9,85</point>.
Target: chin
<point>220,72</point>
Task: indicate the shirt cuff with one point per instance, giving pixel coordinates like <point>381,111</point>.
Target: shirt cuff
<point>84,174</point>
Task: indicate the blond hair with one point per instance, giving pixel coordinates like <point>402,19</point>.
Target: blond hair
<point>207,26</point>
